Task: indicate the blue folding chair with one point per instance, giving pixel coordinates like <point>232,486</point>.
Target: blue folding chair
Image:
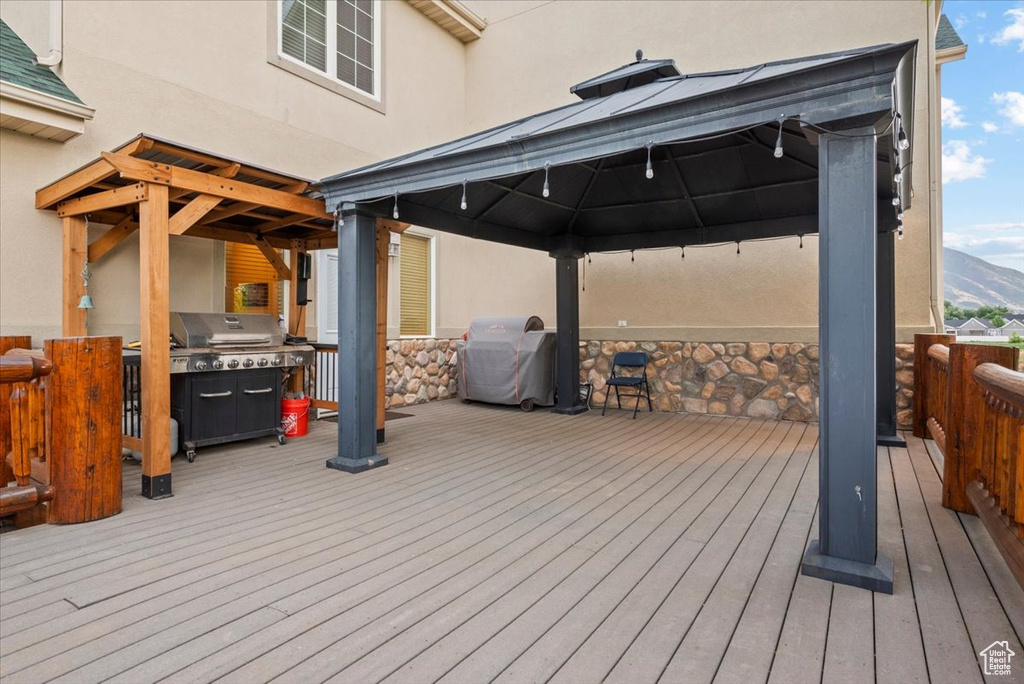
<point>636,359</point>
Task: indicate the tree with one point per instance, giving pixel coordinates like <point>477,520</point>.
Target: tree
<point>997,321</point>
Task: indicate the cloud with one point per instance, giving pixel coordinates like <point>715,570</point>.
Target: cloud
<point>1014,31</point>
<point>1012,106</point>
<point>997,243</point>
<point>989,127</point>
<point>981,15</point>
<point>952,114</point>
<point>959,164</point>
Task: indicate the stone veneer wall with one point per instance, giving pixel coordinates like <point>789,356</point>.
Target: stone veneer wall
<point>755,379</point>
<point>419,370</point>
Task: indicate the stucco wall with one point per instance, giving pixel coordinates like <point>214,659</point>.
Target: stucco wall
<point>770,290</point>
<point>197,73</point>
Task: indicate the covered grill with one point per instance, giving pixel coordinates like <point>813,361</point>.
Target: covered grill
<point>226,375</point>
<point>508,361</point>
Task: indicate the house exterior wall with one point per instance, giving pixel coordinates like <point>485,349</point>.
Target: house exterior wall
<point>198,73</point>
<point>770,290</point>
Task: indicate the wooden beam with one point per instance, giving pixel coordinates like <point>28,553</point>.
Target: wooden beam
<point>227,233</point>
<point>100,247</point>
<point>393,226</point>
<point>271,226</point>
<point>195,181</point>
<point>187,216</point>
<point>283,272</point>
<point>296,314</point>
<point>86,177</point>
<point>118,197</point>
<point>383,240</point>
<point>76,241</point>
<point>245,207</point>
<point>154,325</point>
<point>211,160</point>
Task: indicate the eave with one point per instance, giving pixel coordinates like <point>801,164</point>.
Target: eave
<point>953,54</point>
<point>453,17</point>
<point>41,115</point>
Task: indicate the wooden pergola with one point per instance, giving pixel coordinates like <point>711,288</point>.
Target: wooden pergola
<point>164,189</point>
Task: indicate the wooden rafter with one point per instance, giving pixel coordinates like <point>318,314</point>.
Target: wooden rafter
<point>196,181</point>
<point>87,176</point>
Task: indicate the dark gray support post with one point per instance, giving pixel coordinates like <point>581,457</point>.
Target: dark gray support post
<point>357,339</point>
<point>567,309</point>
<point>847,549</point>
<point>885,298</point>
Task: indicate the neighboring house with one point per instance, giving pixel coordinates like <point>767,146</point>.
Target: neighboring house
<point>313,88</point>
<point>986,328</point>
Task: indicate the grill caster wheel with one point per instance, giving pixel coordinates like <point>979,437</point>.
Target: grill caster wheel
<point>526,405</point>
<point>282,440</point>
<point>191,455</point>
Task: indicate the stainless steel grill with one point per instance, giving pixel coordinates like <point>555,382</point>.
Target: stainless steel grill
<point>229,341</point>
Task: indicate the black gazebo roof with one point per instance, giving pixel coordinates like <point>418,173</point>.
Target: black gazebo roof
<point>710,140</point>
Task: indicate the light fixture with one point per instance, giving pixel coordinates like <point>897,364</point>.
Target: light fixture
<point>650,169</point>
<point>899,232</point>
<point>737,247</point>
<point>896,201</point>
<point>682,252</point>
<point>631,257</point>
<point>899,217</point>
<point>801,242</point>
<point>898,178</point>
<point>901,140</point>
<point>463,204</point>
<point>547,189</point>
<point>394,212</point>
<point>778,141</point>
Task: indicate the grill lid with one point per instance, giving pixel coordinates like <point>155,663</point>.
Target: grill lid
<point>226,330</point>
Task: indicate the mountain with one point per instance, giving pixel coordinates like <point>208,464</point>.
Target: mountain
<point>971,282</point>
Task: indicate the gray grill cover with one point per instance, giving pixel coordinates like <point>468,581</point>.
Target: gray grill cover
<point>507,360</point>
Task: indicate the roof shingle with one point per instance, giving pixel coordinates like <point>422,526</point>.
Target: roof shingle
<point>18,67</point>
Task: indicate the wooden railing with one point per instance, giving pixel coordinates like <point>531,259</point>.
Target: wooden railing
<point>62,429</point>
<point>25,374</point>
<point>970,400</point>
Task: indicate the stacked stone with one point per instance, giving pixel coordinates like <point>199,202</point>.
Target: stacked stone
<point>419,370</point>
<point>757,379</point>
<point>905,386</point>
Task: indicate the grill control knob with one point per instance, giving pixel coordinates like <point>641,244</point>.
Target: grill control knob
<point>262,362</point>
<point>200,365</point>
<point>248,363</point>
<point>218,364</point>
<point>233,363</point>
<point>278,360</point>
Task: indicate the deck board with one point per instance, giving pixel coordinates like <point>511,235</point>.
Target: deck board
<point>503,546</point>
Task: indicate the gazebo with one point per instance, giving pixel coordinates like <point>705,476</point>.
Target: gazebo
<point>651,158</point>
<point>164,189</point>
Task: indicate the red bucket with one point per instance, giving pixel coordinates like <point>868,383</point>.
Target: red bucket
<point>295,417</point>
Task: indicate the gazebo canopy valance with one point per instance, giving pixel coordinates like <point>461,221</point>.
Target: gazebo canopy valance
<point>708,139</point>
<point>650,158</point>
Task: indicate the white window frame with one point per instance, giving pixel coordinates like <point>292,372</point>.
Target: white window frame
<point>328,79</point>
<point>432,323</point>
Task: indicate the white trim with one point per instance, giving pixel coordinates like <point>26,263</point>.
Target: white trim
<point>331,62</point>
<point>45,101</point>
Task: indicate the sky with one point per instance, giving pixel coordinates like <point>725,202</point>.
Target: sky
<point>983,133</point>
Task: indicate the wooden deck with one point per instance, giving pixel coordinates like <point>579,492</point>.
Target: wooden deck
<point>505,546</point>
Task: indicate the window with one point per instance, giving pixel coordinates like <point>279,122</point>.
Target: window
<point>337,41</point>
<point>414,261</point>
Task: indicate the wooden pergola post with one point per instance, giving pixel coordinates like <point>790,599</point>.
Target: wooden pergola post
<point>75,249</point>
<point>296,312</point>
<point>154,328</point>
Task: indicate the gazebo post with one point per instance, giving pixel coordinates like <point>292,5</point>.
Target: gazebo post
<point>357,348</point>
<point>75,248</point>
<point>885,297</point>
<point>154,328</point>
<point>567,311</point>
<point>846,551</point>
